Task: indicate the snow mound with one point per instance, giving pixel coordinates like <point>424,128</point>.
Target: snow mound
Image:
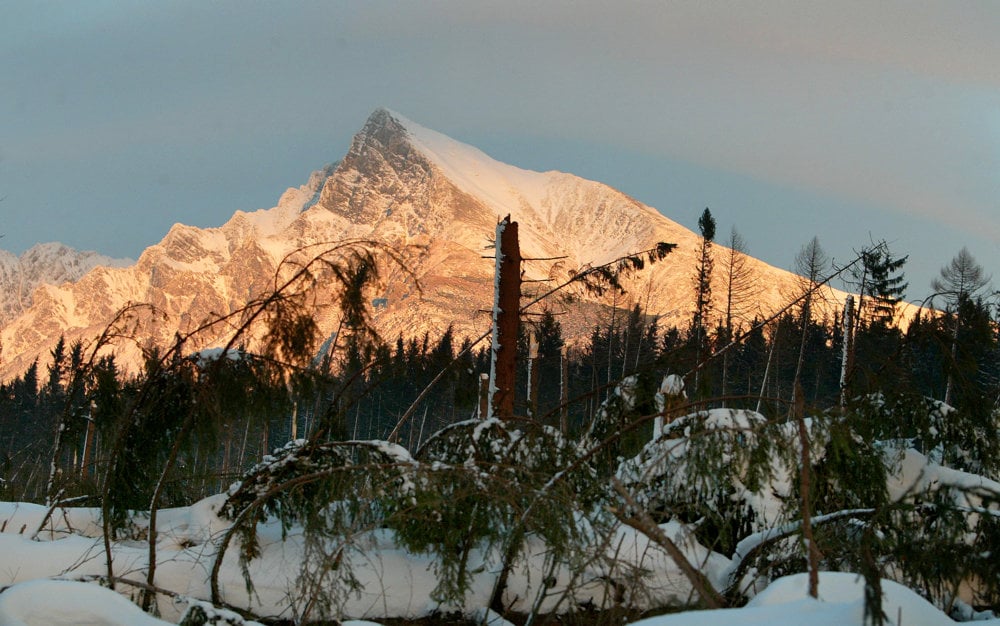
<point>786,602</point>
<point>69,603</point>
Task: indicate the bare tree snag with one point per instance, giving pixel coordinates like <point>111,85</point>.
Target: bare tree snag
<point>88,444</point>
<point>484,396</point>
<point>847,357</point>
<point>532,376</point>
<point>506,320</point>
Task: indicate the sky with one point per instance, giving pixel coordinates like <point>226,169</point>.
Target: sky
<point>850,121</point>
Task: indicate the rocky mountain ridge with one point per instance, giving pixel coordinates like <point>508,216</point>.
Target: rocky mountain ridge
<point>43,264</point>
<point>436,202</point>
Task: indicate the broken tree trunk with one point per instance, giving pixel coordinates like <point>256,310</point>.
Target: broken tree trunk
<point>532,376</point>
<point>506,319</point>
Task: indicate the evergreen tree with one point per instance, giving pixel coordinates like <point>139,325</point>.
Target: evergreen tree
<point>972,371</point>
<point>548,333</point>
<point>886,286</point>
<point>924,348</point>
<point>703,292</point>
<point>873,340</point>
<point>748,364</point>
<point>56,369</point>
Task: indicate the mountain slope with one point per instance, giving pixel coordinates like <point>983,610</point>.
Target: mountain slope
<point>44,264</point>
<point>434,200</point>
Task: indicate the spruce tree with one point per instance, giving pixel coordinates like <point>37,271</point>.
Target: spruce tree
<point>548,332</point>
<point>703,291</point>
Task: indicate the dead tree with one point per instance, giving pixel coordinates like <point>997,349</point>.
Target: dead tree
<point>506,320</point>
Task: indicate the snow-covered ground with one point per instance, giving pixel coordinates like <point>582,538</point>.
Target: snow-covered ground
<point>786,602</point>
<point>51,565</point>
<point>393,581</point>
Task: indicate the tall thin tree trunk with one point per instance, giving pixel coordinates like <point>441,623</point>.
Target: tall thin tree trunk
<point>420,435</point>
<point>243,445</point>
<point>800,363</point>
<point>564,390</point>
<point>484,396</point>
<point>626,336</point>
<point>532,376</point>
<point>154,504</point>
<point>805,507</point>
<point>227,453</point>
<point>54,463</point>
<point>506,320</point>
<point>767,368</point>
<point>847,357</point>
<point>950,384</point>
<point>88,445</point>
<point>612,335</point>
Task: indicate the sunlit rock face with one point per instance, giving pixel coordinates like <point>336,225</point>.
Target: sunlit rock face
<point>434,201</point>
<point>43,264</point>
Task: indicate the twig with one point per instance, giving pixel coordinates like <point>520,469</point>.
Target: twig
<point>52,507</point>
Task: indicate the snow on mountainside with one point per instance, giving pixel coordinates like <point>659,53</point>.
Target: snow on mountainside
<point>433,199</point>
<point>44,264</point>
<point>191,275</point>
<point>457,191</point>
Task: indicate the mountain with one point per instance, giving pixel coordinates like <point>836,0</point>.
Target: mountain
<point>432,199</point>
<point>44,264</point>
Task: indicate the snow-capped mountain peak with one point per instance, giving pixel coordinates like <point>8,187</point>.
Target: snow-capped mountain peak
<point>433,199</point>
<point>449,182</point>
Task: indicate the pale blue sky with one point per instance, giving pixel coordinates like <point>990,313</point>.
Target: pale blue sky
<point>846,120</point>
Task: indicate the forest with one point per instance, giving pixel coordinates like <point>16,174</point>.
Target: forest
<point>740,423</point>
